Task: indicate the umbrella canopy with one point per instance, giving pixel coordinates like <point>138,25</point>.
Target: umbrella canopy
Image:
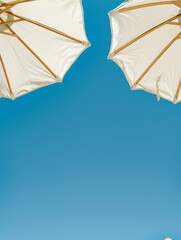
<point>39,41</point>
<point>146,44</point>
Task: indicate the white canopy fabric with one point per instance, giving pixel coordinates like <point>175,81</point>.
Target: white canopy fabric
<point>146,44</point>
<point>39,41</point>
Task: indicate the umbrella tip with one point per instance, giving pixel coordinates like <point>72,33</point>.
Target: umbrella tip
<point>113,13</point>
<point>111,55</point>
<point>175,102</point>
<point>59,79</point>
<point>12,96</point>
<point>86,44</point>
<point>133,87</point>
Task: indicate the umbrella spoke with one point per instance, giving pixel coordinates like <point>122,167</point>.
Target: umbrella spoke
<point>9,22</point>
<point>35,55</point>
<point>175,23</point>
<point>6,75</point>
<point>5,23</point>
<point>144,34</point>
<point>10,5</point>
<point>47,28</point>
<point>14,2</point>
<point>177,3</point>
<point>177,92</point>
<point>6,9</point>
<point>157,58</point>
<point>8,34</point>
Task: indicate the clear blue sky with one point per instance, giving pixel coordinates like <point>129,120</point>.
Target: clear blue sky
<point>89,159</point>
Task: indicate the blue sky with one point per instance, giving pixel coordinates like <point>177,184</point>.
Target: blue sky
<point>89,159</point>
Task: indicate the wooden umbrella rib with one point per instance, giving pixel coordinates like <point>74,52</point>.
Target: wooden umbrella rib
<point>175,23</point>
<point>178,4</point>
<point>14,2</point>
<point>178,91</point>
<point>6,75</point>
<point>39,59</point>
<point>6,9</point>
<point>145,5</point>
<point>8,6</point>
<point>46,27</point>
<point>11,21</point>
<point>8,34</point>
<point>145,33</point>
<point>157,58</point>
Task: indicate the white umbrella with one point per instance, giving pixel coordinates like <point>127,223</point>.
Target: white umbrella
<point>39,41</point>
<point>146,44</point>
